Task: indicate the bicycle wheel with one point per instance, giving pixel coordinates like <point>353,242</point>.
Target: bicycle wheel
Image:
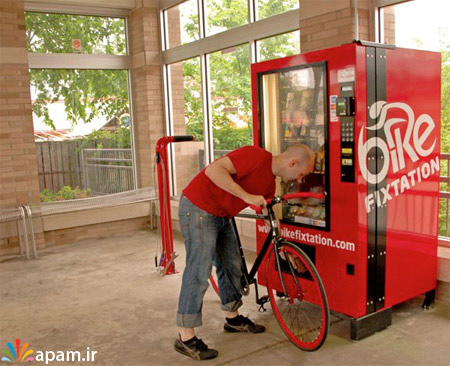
<point>300,306</point>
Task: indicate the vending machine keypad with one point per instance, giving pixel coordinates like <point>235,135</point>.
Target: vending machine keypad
<point>347,130</point>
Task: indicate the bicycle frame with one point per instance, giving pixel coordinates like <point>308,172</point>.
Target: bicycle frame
<point>273,237</point>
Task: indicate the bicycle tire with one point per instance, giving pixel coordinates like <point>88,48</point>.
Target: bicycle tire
<point>302,313</point>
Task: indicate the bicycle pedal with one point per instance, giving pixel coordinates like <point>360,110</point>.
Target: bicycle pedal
<point>261,301</point>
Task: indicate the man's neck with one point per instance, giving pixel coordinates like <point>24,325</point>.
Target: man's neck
<point>276,165</point>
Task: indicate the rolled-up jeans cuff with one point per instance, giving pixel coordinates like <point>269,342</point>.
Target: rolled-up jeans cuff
<point>189,320</point>
<point>232,306</point>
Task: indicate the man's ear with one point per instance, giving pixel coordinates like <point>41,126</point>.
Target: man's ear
<point>292,163</point>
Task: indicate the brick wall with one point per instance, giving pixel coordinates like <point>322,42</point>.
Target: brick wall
<point>72,235</point>
<point>19,182</point>
<point>333,29</point>
<point>324,29</point>
<point>147,89</point>
<point>389,25</point>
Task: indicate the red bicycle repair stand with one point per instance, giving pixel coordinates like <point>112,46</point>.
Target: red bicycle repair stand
<point>167,256</point>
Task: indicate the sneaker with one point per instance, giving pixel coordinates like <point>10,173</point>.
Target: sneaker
<point>195,348</point>
<point>242,324</point>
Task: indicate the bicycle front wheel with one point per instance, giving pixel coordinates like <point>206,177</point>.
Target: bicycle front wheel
<point>297,297</point>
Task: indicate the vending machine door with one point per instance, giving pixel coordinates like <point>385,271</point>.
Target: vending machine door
<point>293,110</point>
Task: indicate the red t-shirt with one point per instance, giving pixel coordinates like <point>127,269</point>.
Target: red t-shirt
<point>253,167</point>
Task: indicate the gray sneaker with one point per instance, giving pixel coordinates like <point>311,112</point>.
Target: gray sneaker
<point>242,324</point>
<point>195,348</point>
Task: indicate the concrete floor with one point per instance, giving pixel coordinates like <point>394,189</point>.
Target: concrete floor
<point>105,294</point>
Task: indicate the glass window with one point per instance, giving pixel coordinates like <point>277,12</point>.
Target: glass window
<point>225,14</point>
<point>283,45</point>
<point>401,25</point>
<point>230,99</point>
<point>268,8</point>
<point>82,129</point>
<point>293,111</point>
<point>182,23</point>
<point>187,112</point>
<point>64,33</point>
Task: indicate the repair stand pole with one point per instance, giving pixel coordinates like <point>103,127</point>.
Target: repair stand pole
<point>165,213</point>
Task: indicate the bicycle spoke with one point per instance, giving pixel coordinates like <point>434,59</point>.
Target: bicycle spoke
<point>303,310</point>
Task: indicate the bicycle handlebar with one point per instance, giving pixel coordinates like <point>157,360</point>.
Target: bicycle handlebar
<point>289,196</point>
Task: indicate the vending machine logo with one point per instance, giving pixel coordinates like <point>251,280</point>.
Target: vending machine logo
<point>417,143</point>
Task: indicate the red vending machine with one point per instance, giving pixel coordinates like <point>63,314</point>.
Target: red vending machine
<point>371,113</point>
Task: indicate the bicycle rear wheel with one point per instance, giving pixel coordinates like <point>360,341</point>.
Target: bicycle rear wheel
<point>300,306</point>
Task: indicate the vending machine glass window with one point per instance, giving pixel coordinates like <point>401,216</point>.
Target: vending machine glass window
<point>292,111</point>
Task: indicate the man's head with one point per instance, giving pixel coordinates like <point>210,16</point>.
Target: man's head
<point>294,163</point>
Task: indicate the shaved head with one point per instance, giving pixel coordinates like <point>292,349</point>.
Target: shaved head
<point>302,153</point>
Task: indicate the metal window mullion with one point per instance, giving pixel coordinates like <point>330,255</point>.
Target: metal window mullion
<point>251,11</point>
<point>201,18</point>
<point>254,52</point>
<point>130,102</point>
<point>380,32</point>
<point>207,112</point>
<point>278,24</point>
<point>78,61</point>
<point>88,10</point>
<point>169,122</point>
<point>164,29</point>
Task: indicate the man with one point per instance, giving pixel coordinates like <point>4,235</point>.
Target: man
<point>245,176</point>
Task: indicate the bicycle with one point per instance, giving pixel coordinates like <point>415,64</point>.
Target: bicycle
<point>295,290</point>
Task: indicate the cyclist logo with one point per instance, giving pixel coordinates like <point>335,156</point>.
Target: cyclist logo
<point>418,143</point>
<point>17,355</point>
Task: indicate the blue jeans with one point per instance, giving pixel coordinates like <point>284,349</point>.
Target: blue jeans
<point>208,239</point>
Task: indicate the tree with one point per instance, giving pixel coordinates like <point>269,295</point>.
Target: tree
<point>230,73</point>
<point>86,93</point>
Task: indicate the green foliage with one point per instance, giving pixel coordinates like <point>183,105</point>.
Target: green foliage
<point>226,14</point>
<point>269,8</point>
<point>86,93</point>
<point>445,99</point>
<point>445,133</point>
<point>227,138</point>
<point>280,46</point>
<point>53,33</point>
<point>110,139</point>
<point>65,193</point>
<point>230,73</point>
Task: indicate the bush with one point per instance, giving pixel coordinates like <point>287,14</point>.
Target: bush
<point>65,193</point>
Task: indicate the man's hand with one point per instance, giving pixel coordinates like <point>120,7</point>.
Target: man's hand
<point>255,200</point>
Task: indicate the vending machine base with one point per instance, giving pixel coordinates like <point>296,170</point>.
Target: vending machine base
<point>369,324</point>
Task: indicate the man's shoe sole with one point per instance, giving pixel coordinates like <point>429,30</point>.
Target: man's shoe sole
<point>241,329</point>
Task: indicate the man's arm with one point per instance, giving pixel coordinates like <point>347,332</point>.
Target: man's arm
<point>220,174</point>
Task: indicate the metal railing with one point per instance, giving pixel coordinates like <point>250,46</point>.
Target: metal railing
<point>107,171</point>
<point>445,197</point>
